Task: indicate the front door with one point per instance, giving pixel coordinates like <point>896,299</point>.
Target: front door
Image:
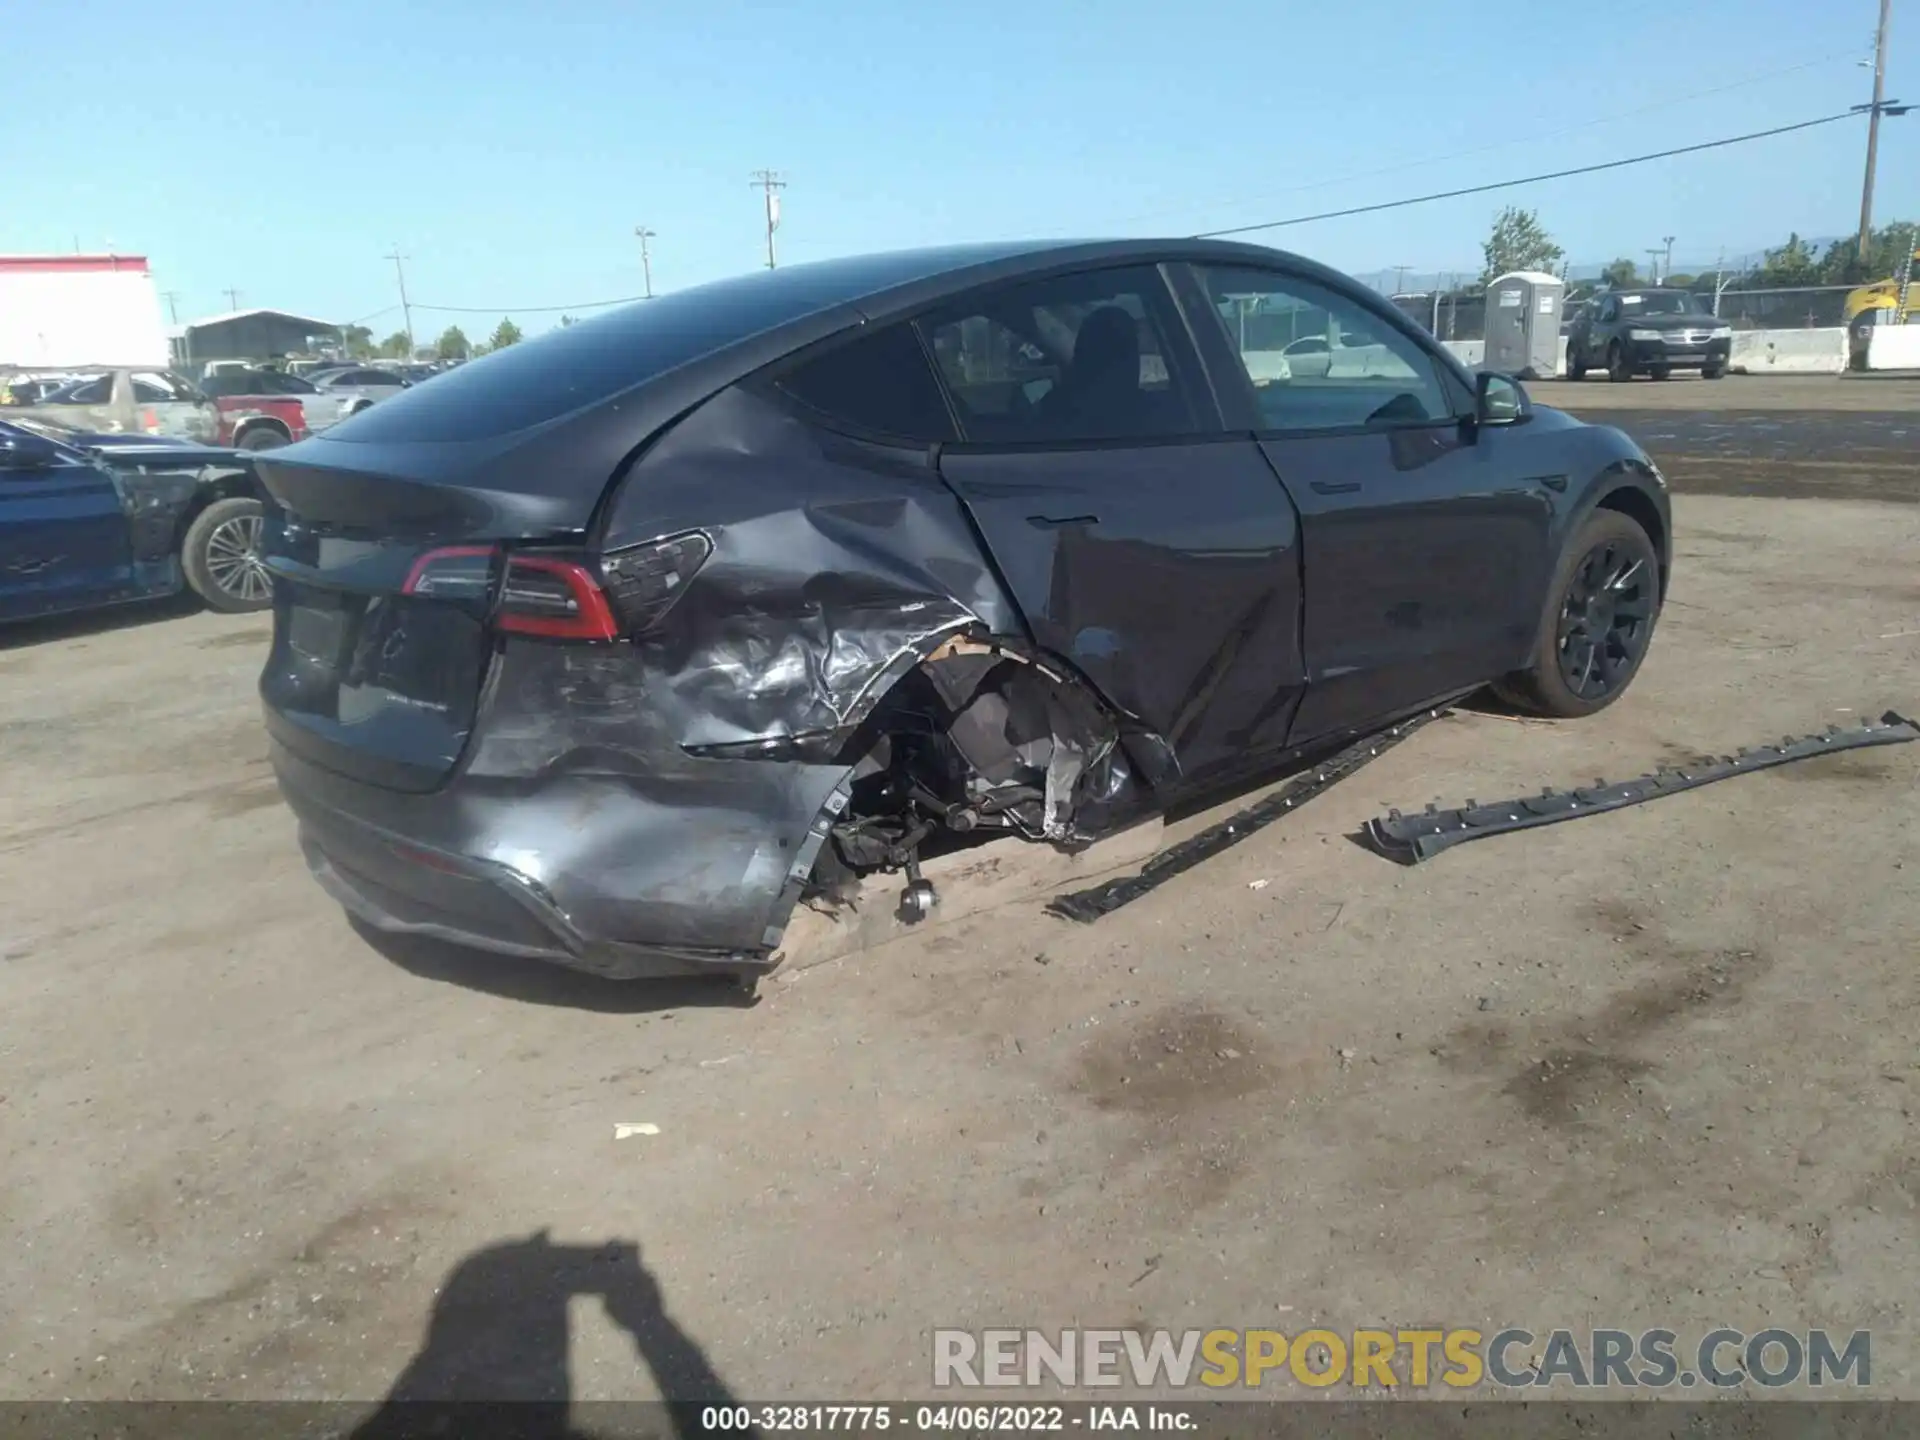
<point>63,530</point>
<point>1425,539</point>
<point>1155,554</point>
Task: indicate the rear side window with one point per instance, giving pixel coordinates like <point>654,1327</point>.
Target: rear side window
<point>572,367</point>
<point>1076,358</point>
<point>879,383</point>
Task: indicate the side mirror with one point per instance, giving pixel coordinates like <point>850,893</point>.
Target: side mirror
<point>1501,400</point>
<point>26,452</point>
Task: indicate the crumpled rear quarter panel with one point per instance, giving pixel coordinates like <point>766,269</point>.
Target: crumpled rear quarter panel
<point>836,566</point>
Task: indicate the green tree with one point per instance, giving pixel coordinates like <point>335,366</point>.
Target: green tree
<point>1518,242</point>
<point>397,346</point>
<point>452,344</point>
<point>1680,282</point>
<point>1620,275</point>
<point>504,334</point>
<point>1791,265</point>
<point>1886,247</point>
<point>357,340</point>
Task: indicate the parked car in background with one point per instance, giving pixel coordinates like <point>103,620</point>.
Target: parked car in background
<point>356,387</point>
<point>159,402</point>
<point>26,389</point>
<point>653,625</point>
<point>1647,332</point>
<point>97,519</point>
<point>264,409</point>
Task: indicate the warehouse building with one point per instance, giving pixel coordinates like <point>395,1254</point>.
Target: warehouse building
<point>251,335</point>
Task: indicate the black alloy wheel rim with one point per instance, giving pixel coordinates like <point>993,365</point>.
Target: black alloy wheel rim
<point>1605,619</point>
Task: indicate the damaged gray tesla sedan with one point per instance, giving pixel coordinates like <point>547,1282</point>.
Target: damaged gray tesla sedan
<point>610,647</point>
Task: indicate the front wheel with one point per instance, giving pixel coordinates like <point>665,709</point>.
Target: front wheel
<point>1576,363</point>
<point>1619,368</point>
<point>1716,370</point>
<point>221,556</point>
<point>1599,620</point>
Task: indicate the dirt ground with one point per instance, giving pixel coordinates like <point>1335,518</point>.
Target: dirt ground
<point>1656,1068</point>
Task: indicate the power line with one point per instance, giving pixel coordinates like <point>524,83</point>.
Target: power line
<point>1523,180</point>
<point>1531,135</point>
<point>526,309</point>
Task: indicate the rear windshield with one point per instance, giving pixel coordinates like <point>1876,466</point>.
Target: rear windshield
<point>574,366</point>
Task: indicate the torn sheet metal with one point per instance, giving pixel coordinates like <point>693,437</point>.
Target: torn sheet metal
<point>805,613</point>
<point>1410,839</point>
<point>1089,905</point>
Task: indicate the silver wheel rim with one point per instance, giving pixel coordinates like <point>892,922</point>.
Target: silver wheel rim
<point>233,559</point>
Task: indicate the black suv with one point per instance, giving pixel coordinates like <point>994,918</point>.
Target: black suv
<point>1628,332</point>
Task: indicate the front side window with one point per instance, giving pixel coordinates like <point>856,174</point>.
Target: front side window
<point>879,383</point>
<point>93,392</point>
<point>1320,361</point>
<point>1075,358</point>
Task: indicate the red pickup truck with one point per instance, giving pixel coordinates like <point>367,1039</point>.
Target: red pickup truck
<point>256,409</point>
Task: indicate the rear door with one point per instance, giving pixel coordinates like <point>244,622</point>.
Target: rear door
<point>1146,547</point>
<point>64,540</point>
<point>1426,539</point>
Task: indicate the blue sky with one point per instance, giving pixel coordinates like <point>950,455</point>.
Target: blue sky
<point>510,148</point>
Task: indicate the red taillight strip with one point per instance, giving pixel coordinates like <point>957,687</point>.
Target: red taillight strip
<point>595,620</point>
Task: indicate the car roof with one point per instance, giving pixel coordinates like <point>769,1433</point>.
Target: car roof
<point>612,380</point>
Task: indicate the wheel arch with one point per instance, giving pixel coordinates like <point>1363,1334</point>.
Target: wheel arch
<point>1627,489</point>
<point>262,422</point>
<point>233,486</point>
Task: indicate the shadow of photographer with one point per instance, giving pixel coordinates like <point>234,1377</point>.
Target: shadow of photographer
<point>494,1358</point>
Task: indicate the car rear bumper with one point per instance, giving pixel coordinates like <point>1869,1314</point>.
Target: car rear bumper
<point>620,876</point>
<point>1679,356</point>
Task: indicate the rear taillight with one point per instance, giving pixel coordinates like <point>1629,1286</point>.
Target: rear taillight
<point>645,581</point>
<point>557,599</point>
<point>459,572</point>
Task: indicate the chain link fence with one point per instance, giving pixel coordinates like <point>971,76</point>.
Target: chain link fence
<point>1460,312</point>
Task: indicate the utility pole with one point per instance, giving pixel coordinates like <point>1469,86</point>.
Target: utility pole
<point>1400,278</point>
<point>771,184</point>
<point>1668,267</point>
<point>1873,130</point>
<point>1653,257</point>
<point>233,298</point>
<point>646,258</point>
<point>172,297</point>
<point>406,309</point>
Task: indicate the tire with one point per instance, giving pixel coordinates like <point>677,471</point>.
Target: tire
<point>219,555</point>
<point>1609,542</point>
<point>1619,368</point>
<point>262,437</point>
<point>1576,364</point>
<point>1714,372</point>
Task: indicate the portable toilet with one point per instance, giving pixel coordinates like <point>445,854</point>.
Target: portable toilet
<point>1523,324</point>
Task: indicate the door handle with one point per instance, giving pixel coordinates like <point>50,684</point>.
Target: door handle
<point>1055,522</point>
<point>1335,487</point>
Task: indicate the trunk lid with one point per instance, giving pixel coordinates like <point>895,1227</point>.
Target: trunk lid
<point>372,674</point>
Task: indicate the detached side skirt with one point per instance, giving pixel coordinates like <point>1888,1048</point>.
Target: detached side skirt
<point>1410,839</point>
<point>1086,906</point>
